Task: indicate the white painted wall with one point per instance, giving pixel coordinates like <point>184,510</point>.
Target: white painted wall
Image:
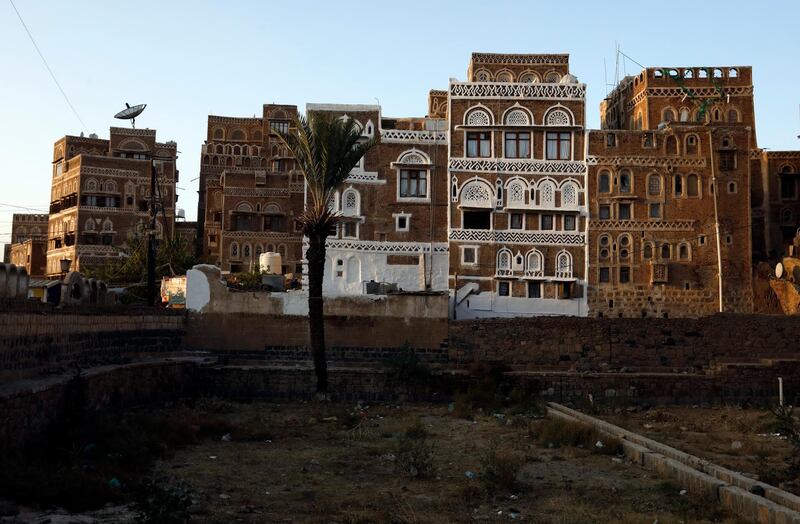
<point>489,304</point>
<point>198,292</point>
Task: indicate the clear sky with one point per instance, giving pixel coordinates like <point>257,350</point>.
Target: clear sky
<point>188,59</point>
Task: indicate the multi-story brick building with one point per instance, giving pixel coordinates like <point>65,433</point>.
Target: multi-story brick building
<point>775,201</point>
<point>100,195</point>
<point>394,205</point>
<point>29,229</point>
<point>662,240</point>
<point>517,173</point>
<point>250,193</point>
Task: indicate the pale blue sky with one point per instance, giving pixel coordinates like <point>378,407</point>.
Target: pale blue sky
<point>189,59</point>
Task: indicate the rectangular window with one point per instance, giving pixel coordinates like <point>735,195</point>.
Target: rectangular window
<point>401,223</point>
<point>515,221</point>
<point>280,127</point>
<point>476,219</point>
<point>469,255</point>
<point>605,275</point>
<point>788,188</point>
<point>624,274</point>
<point>504,289</point>
<point>559,145</point>
<point>655,210</point>
<point>518,145</point>
<point>546,222</point>
<point>605,212</point>
<point>534,290</point>
<point>413,183</point>
<point>478,144</point>
<point>624,212</point>
<point>648,140</point>
<point>569,222</point>
<point>350,230</point>
<point>611,140</point>
<point>727,160</point>
<point>605,183</point>
<point>274,223</point>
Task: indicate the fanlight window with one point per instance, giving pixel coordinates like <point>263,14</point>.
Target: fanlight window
<point>504,76</point>
<point>564,265</point>
<point>350,201</point>
<point>478,117</point>
<point>517,117</point>
<point>547,194</point>
<point>91,185</point>
<point>108,225</point>
<point>476,194</point>
<point>529,78</point>
<point>516,193</point>
<point>534,263</point>
<point>569,195</point>
<point>504,260</point>
<point>558,117</point>
<point>90,225</point>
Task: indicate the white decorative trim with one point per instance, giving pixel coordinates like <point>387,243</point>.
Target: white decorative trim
<point>647,225</point>
<point>393,248</point>
<point>353,108</point>
<point>400,136</point>
<point>504,58</point>
<point>507,90</point>
<point>645,161</point>
<point>359,176</point>
<point>255,192</point>
<point>521,165</point>
<point>262,234</point>
<point>548,238</point>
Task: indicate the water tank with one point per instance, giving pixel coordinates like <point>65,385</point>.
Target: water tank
<point>180,214</point>
<point>270,263</point>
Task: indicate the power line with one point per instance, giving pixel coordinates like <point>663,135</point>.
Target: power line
<point>52,75</point>
<point>40,209</point>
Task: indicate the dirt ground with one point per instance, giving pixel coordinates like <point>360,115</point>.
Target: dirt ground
<point>739,439</point>
<point>330,463</point>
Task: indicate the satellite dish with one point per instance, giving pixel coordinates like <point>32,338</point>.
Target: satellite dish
<point>130,113</point>
<point>779,270</point>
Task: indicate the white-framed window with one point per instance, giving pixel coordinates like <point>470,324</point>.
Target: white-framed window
<point>469,255</point>
<point>504,288</point>
<point>350,229</point>
<point>413,183</point>
<point>402,222</point>
<point>516,221</point>
<point>351,202</point>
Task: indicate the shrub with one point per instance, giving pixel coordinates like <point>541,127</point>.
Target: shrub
<point>414,457</point>
<point>163,505</point>
<point>417,431</point>
<point>500,469</point>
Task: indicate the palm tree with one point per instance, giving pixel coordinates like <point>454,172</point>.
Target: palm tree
<point>326,149</point>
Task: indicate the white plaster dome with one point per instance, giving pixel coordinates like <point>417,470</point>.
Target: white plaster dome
<point>569,79</point>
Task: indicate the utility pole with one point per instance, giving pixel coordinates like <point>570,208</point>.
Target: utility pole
<point>716,217</point>
<point>151,240</point>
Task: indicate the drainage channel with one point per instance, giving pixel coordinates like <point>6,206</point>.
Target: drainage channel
<point>748,498</point>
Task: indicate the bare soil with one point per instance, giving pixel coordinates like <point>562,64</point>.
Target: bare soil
<point>739,439</point>
<point>331,463</point>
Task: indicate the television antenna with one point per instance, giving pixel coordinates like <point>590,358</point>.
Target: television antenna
<point>130,113</point>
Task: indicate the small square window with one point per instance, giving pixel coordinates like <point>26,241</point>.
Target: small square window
<point>655,210</point>
<point>624,212</point>
<point>515,221</point>
<point>402,222</point>
<point>504,289</point>
<point>569,222</point>
<point>702,240</point>
<point>729,240</point>
<point>605,212</point>
<point>624,275</point>
<point>605,275</point>
<point>340,268</point>
<point>469,255</point>
<point>546,222</point>
<point>611,140</point>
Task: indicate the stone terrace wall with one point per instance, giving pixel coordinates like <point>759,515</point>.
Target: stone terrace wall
<point>648,344</point>
<point>36,339</point>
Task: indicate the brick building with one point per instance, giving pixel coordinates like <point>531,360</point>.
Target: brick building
<point>671,135</point>
<point>100,195</point>
<point>250,193</point>
<point>517,171</point>
<point>775,201</point>
<point>394,206</point>
<point>29,229</point>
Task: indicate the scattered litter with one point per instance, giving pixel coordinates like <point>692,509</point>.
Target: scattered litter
<point>648,426</point>
<point>470,474</point>
<point>267,442</point>
<point>599,445</point>
<point>267,493</point>
<point>683,492</point>
<point>223,496</point>
<point>330,419</point>
<point>114,483</point>
<point>212,457</point>
<point>226,437</point>
<point>616,460</point>
<point>736,444</point>
<point>499,416</point>
<point>513,497</point>
<point>514,514</point>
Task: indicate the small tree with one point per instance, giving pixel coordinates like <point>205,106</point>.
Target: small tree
<point>326,149</point>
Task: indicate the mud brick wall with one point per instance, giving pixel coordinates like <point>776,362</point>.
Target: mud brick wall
<point>644,344</point>
<point>36,341</point>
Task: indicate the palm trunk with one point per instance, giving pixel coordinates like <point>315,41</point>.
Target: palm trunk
<point>316,319</point>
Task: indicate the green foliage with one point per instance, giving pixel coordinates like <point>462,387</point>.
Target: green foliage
<point>788,426</point>
<point>248,281</point>
<point>163,505</point>
<point>174,256</point>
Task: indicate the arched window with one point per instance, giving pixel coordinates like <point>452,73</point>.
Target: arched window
<point>625,181</point>
<point>108,225</point>
<point>333,202</point>
<point>350,202</point>
<point>517,117</point>
<point>515,191</point>
<point>257,135</point>
<point>671,145</point>
<point>219,134</point>
<point>668,115</point>
<point>477,193</point>
<point>270,248</point>
<point>237,150</point>
<point>483,76</point>
<point>234,249</point>
<point>238,135</point>
<point>547,192</point>
<point>91,185</point>
<point>529,77</point>
<point>683,251</point>
<point>733,73</point>
<point>564,264</point>
<point>692,186</point>
<point>604,182</point>
<point>259,250</point>
<point>732,187</point>
<point>569,195</point>
<point>282,250</point>
<point>478,117</point>
<point>688,73</point>
<point>246,251</point>
<point>733,116</point>
<point>552,77</point>
<point>504,260</point>
<point>684,114</point>
<point>691,144</point>
<point>654,184</point>
<point>90,225</point>
<point>534,263</point>
<point>245,150</point>
<point>504,76</point>
<point>647,251</point>
<point>219,149</point>
<point>787,216</point>
<point>244,207</point>
<point>558,117</point>
<point>498,193</point>
<point>666,251</point>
